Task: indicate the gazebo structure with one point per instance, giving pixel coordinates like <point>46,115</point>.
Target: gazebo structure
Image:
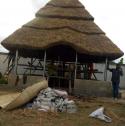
<point>62,31</point>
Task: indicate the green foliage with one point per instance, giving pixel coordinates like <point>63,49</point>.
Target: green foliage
<point>0,75</point>
<point>121,61</point>
<point>3,81</point>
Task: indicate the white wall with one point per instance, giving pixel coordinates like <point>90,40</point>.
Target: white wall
<point>3,65</point>
<point>100,76</point>
<point>21,69</point>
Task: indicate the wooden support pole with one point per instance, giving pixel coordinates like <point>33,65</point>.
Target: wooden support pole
<point>8,65</point>
<point>44,65</point>
<point>16,61</point>
<point>76,66</point>
<point>31,64</point>
<point>72,79</point>
<point>70,86</point>
<point>105,71</point>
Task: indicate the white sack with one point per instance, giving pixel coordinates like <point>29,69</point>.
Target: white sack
<point>99,114</point>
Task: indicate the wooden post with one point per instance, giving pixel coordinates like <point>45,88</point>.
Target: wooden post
<point>31,63</point>
<point>76,66</point>
<point>105,71</point>
<point>44,65</point>
<point>70,87</point>
<point>8,65</point>
<point>72,79</point>
<point>16,61</point>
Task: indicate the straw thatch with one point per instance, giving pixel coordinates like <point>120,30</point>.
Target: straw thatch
<point>66,3</point>
<point>77,40</point>
<point>69,13</point>
<point>84,26</point>
<point>64,22</point>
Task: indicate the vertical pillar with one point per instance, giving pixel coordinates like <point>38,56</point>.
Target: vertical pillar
<point>70,86</point>
<point>8,65</point>
<point>105,71</point>
<point>72,79</point>
<point>16,62</point>
<point>76,66</point>
<point>31,63</point>
<point>44,65</point>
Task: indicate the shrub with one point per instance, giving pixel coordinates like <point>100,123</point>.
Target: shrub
<point>0,75</point>
<point>3,81</point>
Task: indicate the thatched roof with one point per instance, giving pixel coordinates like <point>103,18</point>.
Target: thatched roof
<point>61,12</point>
<point>66,3</point>
<point>83,26</point>
<point>64,22</point>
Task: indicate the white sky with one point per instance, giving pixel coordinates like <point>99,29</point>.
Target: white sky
<point>109,16</point>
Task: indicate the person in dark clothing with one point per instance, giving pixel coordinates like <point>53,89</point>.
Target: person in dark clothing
<point>116,73</point>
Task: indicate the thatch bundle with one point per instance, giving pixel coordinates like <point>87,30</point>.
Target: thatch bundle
<point>66,3</point>
<point>68,13</point>
<point>64,22</point>
<point>84,26</point>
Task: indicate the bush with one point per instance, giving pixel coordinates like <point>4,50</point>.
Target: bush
<point>3,81</point>
<point>0,75</point>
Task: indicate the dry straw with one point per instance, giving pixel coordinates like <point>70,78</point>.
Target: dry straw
<point>29,93</point>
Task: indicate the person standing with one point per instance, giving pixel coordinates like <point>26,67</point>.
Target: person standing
<point>116,73</point>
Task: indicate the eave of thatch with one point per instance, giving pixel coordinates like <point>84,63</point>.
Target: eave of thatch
<point>42,39</point>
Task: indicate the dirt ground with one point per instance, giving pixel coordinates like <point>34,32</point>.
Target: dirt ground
<point>28,117</point>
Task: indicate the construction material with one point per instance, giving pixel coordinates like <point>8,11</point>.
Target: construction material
<point>53,100</point>
<point>7,98</point>
<point>28,94</point>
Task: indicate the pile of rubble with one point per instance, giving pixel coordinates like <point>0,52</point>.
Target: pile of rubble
<point>53,100</point>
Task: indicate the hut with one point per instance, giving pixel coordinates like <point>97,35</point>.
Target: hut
<point>63,32</point>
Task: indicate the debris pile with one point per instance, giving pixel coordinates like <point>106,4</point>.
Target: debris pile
<point>53,100</point>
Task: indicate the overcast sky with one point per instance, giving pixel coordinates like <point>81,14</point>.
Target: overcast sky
<point>109,16</point>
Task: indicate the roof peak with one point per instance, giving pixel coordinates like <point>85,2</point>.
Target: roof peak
<point>67,9</point>
<point>66,3</point>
